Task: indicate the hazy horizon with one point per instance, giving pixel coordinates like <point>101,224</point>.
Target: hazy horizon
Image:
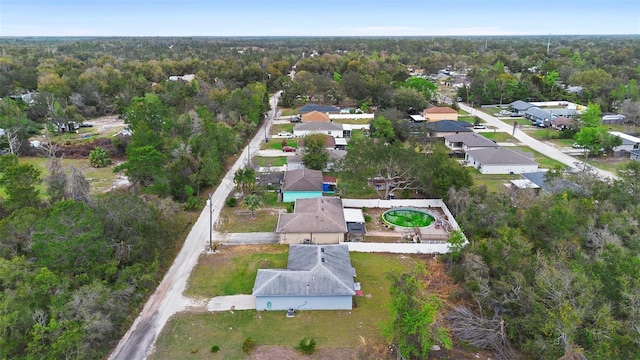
<point>321,18</point>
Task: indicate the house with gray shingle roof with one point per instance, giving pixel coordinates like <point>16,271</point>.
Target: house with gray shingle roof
<point>537,115</point>
<point>317,277</point>
<point>500,160</point>
<point>301,184</point>
<point>328,128</point>
<point>313,221</point>
<point>520,106</point>
<point>327,109</point>
<point>467,141</point>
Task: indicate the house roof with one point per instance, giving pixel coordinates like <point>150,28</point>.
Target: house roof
<point>537,113</point>
<point>317,215</point>
<point>502,156</point>
<point>440,110</point>
<point>302,180</point>
<point>448,126</point>
<point>470,139</point>
<point>520,105</point>
<point>326,179</point>
<point>562,112</point>
<point>318,126</point>
<point>315,116</point>
<point>561,120</point>
<point>417,118</point>
<point>315,270</point>
<point>626,138</point>
<point>318,107</point>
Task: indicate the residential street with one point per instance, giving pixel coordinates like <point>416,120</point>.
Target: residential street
<point>533,143</point>
<point>167,299</point>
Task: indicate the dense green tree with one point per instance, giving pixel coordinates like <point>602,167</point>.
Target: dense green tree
<point>20,183</point>
<point>381,128</point>
<point>315,154</point>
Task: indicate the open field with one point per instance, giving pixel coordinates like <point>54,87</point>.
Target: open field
<point>337,333</point>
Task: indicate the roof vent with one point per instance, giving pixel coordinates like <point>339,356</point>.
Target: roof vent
<point>322,259</point>
<point>322,249</point>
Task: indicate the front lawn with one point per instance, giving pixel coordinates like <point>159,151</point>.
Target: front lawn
<point>493,182</point>
<point>269,161</point>
<point>498,136</point>
<point>191,335</point>
<point>544,161</point>
<point>276,144</point>
<point>353,121</point>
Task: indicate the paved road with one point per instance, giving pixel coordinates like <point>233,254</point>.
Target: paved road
<point>535,144</point>
<point>167,299</point>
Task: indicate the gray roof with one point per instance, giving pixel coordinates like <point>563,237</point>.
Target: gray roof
<point>302,180</point>
<point>520,105</point>
<point>502,156</point>
<point>470,139</point>
<point>316,270</point>
<point>318,126</point>
<point>538,113</point>
<point>449,126</point>
<point>317,215</point>
<point>317,107</point>
<point>562,112</point>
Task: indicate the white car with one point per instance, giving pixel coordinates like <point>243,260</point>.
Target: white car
<point>479,126</point>
<point>285,134</point>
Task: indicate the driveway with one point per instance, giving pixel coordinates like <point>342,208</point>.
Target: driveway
<point>536,145</point>
<point>232,302</point>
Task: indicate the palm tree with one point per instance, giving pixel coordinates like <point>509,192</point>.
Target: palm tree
<point>245,179</point>
<point>252,202</point>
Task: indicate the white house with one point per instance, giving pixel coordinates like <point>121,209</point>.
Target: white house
<point>467,141</point>
<point>327,128</point>
<point>499,160</point>
<point>629,143</point>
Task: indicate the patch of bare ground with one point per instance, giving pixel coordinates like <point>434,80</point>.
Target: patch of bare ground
<point>273,352</point>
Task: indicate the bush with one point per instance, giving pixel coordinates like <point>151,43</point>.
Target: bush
<point>306,346</point>
<point>99,158</point>
<point>248,345</point>
<point>215,349</point>
<point>290,207</point>
<point>367,218</point>
<point>232,202</point>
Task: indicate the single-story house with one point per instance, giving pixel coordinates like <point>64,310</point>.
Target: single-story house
<point>328,128</point>
<point>537,115</point>
<point>438,113</point>
<point>613,119</point>
<point>560,123</point>
<point>317,277</point>
<point>449,127</point>
<point>301,184</point>
<point>315,116</point>
<point>327,109</point>
<point>629,143</point>
<point>467,141</point>
<point>500,160</point>
<point>313,221</point>
<point>519,106</point>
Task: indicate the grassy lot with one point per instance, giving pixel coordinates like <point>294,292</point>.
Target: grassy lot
<point>469,119</point>
<point>287,111</point>
<point>236,219</point>
<point>494,183</point>
<point>276,144</point>
<point>269,161</point>
<point>357,134</point>
<point>544,161</point>
<point>544,134</point>
<point>498,136</point>
<point>353,121</point>
<point>510,120</point>
<point>191,335</point>
<point>276,128</point>
<point>100,179</point>
<point>608,163</point>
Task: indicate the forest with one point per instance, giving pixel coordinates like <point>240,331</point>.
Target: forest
<point>545,275</point>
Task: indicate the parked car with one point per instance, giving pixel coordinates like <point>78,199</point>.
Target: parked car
<point>479,126</point>
<point>288,149</point>
<point>577,146</point>
<point>285,134</point>
<point>295,119</point>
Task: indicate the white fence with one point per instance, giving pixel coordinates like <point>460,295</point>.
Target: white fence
<point>351,116</point>
<point>396,248</point>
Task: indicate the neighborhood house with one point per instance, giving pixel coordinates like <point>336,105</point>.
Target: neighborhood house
<point>313,221</point>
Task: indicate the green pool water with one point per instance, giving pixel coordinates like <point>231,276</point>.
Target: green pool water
<point>408,218</point>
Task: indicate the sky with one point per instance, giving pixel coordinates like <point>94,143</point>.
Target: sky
<point>317,18</point>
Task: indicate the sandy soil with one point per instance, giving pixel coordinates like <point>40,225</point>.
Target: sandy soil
<point>107,124</point>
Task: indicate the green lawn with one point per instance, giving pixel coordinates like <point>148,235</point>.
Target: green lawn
<point>276,144</point>
<point>607,163</point>
<point>498,136</point>
<point>191,335</point>
<point>544,161</point>
<point>352,121</point>
<point>288,111</point>
<point>269,161</point>
<point>276,128</point>
<point>494,183</point>
<point>544,134</point>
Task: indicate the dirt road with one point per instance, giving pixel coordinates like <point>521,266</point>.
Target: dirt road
<point>167,299</point>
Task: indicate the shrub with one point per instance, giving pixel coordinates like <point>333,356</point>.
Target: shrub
<point>290,207</point>
<point>215,349</point>
<point>248,345</point>
<point>364,209</point>
<point>99,158</point>
<point>367,218</point>
<point>306,346</point>
<point>232,202</point>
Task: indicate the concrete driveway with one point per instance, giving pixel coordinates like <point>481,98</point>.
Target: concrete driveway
<point>536,145</point>
<point>232,302</point>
